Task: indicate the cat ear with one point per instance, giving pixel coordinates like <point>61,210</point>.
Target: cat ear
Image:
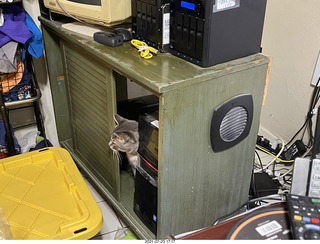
<point>117,118</point>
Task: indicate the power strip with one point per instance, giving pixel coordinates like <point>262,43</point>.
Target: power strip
<point>266,145</point>
<point>297,149</point>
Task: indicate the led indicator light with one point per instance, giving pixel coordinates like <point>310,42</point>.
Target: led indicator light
<point>188,5</point>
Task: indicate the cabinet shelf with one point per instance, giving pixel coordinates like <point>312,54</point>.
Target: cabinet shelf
<point>34,98</point>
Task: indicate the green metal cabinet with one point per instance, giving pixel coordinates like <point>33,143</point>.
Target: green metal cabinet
<point>195,185</point>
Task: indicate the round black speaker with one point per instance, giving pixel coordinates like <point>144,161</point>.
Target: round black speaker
<point>231,122</point>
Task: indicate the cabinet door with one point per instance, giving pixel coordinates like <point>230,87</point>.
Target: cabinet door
<point>91,94</point>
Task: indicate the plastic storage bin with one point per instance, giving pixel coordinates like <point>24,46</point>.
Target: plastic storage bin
<point>44,196</point>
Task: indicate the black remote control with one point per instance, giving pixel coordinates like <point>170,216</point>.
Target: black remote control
<point>304,215</point>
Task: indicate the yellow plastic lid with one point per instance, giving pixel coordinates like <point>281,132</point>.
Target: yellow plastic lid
<point>44,196</point>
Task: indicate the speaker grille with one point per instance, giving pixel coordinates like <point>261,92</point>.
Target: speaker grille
<point>233,124</point>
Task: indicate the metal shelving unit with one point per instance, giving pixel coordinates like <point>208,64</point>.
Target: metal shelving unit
<point>19,92</point>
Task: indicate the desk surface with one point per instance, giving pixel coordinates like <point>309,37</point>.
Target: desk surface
<point>161,73</point>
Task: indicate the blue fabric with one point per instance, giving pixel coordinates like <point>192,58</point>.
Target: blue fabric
<point>42,145</point>
<point>14,27</point>
<point>34,44</point>
<point>3,137</point>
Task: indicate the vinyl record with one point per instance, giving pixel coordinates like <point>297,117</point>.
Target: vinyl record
<point>265,224</point>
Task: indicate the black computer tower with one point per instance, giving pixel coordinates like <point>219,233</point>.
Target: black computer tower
<point>145,199</point>
<point>216,31</point>
<point>146,179</point>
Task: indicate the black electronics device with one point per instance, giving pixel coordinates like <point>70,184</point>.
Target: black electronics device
<point>148,141</point>
<point>145,199</point>
<point>134,107</point>
<point>46,13</point>
<point>151,22</point>
<point>262,185</point>
<point>114,38</point>
<point>215,31</point>
<point>146,180</point>
<point>131,109</point>
<point>304,214</point>
<point>297,149</point>
<point>43,10</point>
<point>108,38</point>
<point>127,36</point>
<point>265,224</point>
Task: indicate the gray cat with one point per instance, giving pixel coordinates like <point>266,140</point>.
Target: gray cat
<point>125,138</point>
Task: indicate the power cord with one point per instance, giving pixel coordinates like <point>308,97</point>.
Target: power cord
<point>277,197</point>
<point>145,51</point>
<point>308,122</point>
<point>260,162</point>
<point>67,12</point>
<point>276,157</point>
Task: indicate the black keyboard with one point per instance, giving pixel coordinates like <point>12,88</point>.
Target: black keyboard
<point>304,214</point>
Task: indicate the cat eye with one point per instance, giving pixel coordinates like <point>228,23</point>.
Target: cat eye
<point>117,138</point>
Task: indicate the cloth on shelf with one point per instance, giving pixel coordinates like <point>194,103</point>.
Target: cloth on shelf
<point>23,92</point>
<point>22,89</point>
<point>14,26</point>
<point>32,141</point>
<point>41,144</point>
<point>15,77</point>
<point>17,85</point>
<point>34,44</point>
<point>8,61</point>
<point>28,141</point>
<point>10,80</point>
<point>3,137</point>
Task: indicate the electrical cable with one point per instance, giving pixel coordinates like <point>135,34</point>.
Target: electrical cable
<point>270,197</point>
<point>259,159</point>
<point>145,51</point>
<point>288,181</point>
<point>274,169</point>
<point>284,174</point>
<point>308,122</point>
<point>70,15</point>
<point>276,157</point>
<point>253,183</point>
<point>289,171</point>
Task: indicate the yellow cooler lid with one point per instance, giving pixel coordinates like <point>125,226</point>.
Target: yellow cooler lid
<point>44,196</point>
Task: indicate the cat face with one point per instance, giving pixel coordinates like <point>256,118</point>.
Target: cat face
<point>125,137</point>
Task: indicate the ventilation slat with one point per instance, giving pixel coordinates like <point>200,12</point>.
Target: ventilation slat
<point>233,124</point>
<point>89,108</point>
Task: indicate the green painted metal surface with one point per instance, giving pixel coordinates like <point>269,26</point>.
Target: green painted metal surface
<point>196,185</point>
<point>57,84</point>
<point>91,96</point>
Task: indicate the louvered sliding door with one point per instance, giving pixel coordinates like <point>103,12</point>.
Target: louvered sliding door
<point>91,89</point>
